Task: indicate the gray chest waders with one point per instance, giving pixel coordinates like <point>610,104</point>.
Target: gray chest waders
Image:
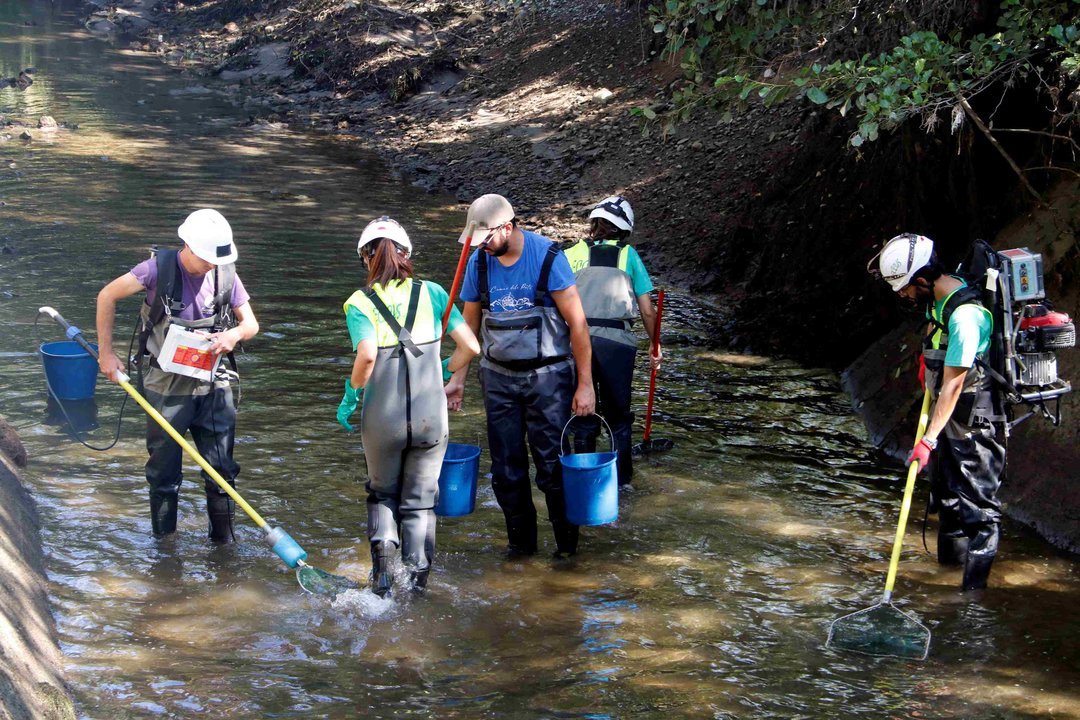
<point>522,340</point>
<point>163,310</point>
<point>404,430</point>
<point>607,295</point>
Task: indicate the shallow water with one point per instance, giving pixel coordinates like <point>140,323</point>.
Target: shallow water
<point>709,598</point>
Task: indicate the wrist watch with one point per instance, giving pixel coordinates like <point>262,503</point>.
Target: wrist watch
<point>930,442</point>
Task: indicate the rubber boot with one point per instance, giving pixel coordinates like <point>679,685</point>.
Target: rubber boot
<point>382,576</point>
<point>163,514</point>
<point>952,548</point>
<point>521,533</point>
<point>976,571</point>
<point>418,581</point>
<point>220,509</point>
<point>566,533</point>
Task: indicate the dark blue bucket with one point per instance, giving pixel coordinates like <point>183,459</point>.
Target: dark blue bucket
<point>71,371</point>
<point>591,483</point>
<point>457,480</point>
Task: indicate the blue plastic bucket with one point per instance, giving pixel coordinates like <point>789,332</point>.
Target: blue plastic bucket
<point>591,483</point>
<point>457,480</point>
<point>71,371</point>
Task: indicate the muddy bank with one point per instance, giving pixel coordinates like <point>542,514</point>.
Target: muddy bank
<point>31,676</point>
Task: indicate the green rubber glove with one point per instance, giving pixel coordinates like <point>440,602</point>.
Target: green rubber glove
<point>446,374</point>
<point>352,398</point>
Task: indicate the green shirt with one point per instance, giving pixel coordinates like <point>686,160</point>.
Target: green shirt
<point>969,332</point>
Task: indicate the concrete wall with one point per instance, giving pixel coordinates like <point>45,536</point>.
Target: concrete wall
<point>32,685</point>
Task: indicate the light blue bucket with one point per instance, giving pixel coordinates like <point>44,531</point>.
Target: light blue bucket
<point>591,483</point>
<point>457,480</point>
<point>70,370</point>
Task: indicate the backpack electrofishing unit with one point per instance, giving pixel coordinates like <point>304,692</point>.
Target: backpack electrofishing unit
<point>1027,331</point>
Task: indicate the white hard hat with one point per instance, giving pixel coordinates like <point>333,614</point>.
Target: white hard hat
<point>901,258</point>
<point>385,227</point>
<point>617,211</point>
<point>209,236</point>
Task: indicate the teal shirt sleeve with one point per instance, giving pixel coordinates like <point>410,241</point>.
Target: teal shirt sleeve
<point>439,301</point>
<point>360,326</point>
<point>639,276</point>
<point>969,335</point>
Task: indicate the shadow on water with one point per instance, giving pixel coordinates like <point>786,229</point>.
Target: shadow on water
<point>709,598</point>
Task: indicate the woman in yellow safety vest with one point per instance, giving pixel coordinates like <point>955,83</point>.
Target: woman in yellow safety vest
<point>395,325</point>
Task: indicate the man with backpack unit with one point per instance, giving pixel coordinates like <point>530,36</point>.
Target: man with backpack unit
<point>196,311</point>
<point>968,410</point>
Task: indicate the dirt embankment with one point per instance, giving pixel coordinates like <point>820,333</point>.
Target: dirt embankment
<point>32,684</point>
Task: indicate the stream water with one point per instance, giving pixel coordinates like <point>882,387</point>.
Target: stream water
<point>709,598</point>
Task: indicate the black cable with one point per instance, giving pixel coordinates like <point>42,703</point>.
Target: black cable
<point>63,410</point>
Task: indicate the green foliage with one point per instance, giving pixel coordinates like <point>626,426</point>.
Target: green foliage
<point>731,51</point>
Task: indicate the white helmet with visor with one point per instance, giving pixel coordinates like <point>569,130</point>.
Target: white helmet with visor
<point>384,227</point>
<point>617,211</point>
<point>901,258</point>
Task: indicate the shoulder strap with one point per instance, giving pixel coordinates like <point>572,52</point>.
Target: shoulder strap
<point>545,272</point>
<point>602,254</point>
<point>169,288</point>
<point>965,296</point>
<point>973,296</point>
<point>404,335</point>
<point>482,280</point>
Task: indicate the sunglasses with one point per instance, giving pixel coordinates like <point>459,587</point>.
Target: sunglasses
<point>490,234</point>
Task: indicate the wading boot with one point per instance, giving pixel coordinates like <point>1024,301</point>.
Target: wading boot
<point>566,533</point>
<point>220,509</point>
<point>952,548</point>
<point>418,581</point>
<point>976,571</point>
<point>521,534</point>
<point>163,514</point>
<point>382,576</point>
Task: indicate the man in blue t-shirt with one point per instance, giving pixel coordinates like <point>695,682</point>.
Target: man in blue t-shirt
<point>521,301</point>
<point>961,430</point>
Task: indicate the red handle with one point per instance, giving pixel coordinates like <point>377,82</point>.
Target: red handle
<point>462,261</point>
<point>652,377</point>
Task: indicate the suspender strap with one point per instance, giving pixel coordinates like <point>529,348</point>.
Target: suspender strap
<point>602,254</point>
<point>482,280</point>
<point>404,336</point>
<point>545,273</point>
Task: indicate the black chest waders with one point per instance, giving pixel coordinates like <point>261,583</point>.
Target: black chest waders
<point>527,377</point>
<point>607,298</point>
<point>404,431</point>
<point>206,409</point>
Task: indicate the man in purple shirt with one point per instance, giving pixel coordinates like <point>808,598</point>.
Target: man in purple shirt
<point>197,289</point>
